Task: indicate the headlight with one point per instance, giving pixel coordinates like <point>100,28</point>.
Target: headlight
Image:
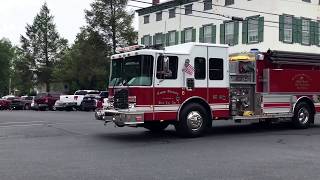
<point>132,105</point>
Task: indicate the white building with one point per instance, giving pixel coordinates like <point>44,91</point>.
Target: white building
<point>290,25</point>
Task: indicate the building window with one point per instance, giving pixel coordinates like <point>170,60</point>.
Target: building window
<point>158,16</point>
<point>207,4</point>
<point>229,2</point>
<point>306,1</point>
<point>146,40</point>
<point>188,35</point>
<point>288,28</point>
<point>305,31</point>
<point>229,33</point>
<point>172,13</point>
<point>146,19</point>
<point>253,31</point>
<point>158,39</point>
<point>188,9</point>
<point>199,68</point>
<point>215,69</point>
<point>172,38</point>
<point>207,34</point>
<point>167,68</point>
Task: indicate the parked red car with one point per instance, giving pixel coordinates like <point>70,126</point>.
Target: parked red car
<point>45,101</point>
<point>4,104</point>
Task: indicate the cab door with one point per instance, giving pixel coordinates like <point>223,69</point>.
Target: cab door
<point>167,87</point>
<point>198,61</point>
<point>218,82</point>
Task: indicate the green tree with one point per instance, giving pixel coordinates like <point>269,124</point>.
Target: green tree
<point>22,75</point>
<point>43,46</point>
<point>111,20</point>
<point>85,65</point>
<point>7,53</point>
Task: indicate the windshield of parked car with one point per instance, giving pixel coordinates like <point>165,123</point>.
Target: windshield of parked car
<point>94,92</point>
<point>80,93</point>
<point>132,71</point>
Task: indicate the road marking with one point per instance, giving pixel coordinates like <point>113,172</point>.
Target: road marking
<point>23,124</point>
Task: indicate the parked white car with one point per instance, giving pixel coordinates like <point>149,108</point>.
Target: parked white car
<point>73,102</point>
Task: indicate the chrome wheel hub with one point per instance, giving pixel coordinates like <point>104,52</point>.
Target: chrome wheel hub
<point>194,120</point>
<point>303,115</point>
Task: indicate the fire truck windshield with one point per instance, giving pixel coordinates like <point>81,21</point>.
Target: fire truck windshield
<point>132,71</point>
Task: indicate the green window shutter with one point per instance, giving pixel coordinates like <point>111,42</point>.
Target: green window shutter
<point>295,31</point>
<point>167,39</point>
<point>236,33</point>
<point>163,39</point>
<point>142,40</point>
<point>313,32</point>
<point>299,31</point>
<point>317,33</point>
<point>214,33</point>
<point>150,40</point>
<point>194,35</point>
<point>281,28</point>
<point>201,34</point>
<point>177,38</point>
<point>244,32</point>
<point>222,39</point>
<point>154,39</point>
<point>182,37</point>
<point>260,29</point>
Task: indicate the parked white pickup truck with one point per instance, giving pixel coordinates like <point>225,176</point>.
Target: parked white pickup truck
<point>73,102</point>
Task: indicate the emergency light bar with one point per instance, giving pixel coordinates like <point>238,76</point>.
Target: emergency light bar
<point>129,48</point>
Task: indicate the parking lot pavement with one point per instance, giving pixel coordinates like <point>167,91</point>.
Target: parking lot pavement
<point>71,145</point>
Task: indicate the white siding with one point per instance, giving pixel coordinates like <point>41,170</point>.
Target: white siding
<point>298,8</point>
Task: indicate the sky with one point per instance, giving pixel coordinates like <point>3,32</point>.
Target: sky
<point>68,16</point>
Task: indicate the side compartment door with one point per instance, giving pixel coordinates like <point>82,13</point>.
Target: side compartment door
<point>218,83</point>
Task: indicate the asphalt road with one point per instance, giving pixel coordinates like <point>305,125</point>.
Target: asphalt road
<point>71,145</point>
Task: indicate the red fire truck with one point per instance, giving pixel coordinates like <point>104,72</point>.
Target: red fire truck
<point>190,85</point>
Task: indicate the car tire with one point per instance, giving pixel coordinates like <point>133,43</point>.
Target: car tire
<point>193,121</point>
<point>27,107</point>
<point>303,116</point>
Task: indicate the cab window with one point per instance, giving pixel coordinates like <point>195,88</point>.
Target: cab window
<point>167,67</point>
<point>200,68</point>
<point>216,69</point>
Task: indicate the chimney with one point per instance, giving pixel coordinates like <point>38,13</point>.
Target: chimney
<point>155,2</point>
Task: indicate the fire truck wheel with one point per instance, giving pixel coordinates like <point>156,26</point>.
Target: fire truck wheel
<point>303,116</point>
<point>193,121</point>
<point>156,126</point>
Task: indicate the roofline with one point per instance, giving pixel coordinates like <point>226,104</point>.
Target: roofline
<point>163,6</point>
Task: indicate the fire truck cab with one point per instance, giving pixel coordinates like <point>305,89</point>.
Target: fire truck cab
<point>190,85</point>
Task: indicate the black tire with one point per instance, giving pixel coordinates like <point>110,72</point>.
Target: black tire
<point>156,126</point>
<point>188,128</point>
<point>303,116</point>
<point>27,107</point>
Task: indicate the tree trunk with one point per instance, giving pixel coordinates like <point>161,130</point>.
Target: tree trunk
<point>47,86</point>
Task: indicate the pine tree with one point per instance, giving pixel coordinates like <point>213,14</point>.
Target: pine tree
<point>6,56</point>
<point>85,65</point>
<point>43,46</point>
<point>111,20</point>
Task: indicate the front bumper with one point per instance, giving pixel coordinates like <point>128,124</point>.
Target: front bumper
<point>120,117</point>
<point>65,105</point>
